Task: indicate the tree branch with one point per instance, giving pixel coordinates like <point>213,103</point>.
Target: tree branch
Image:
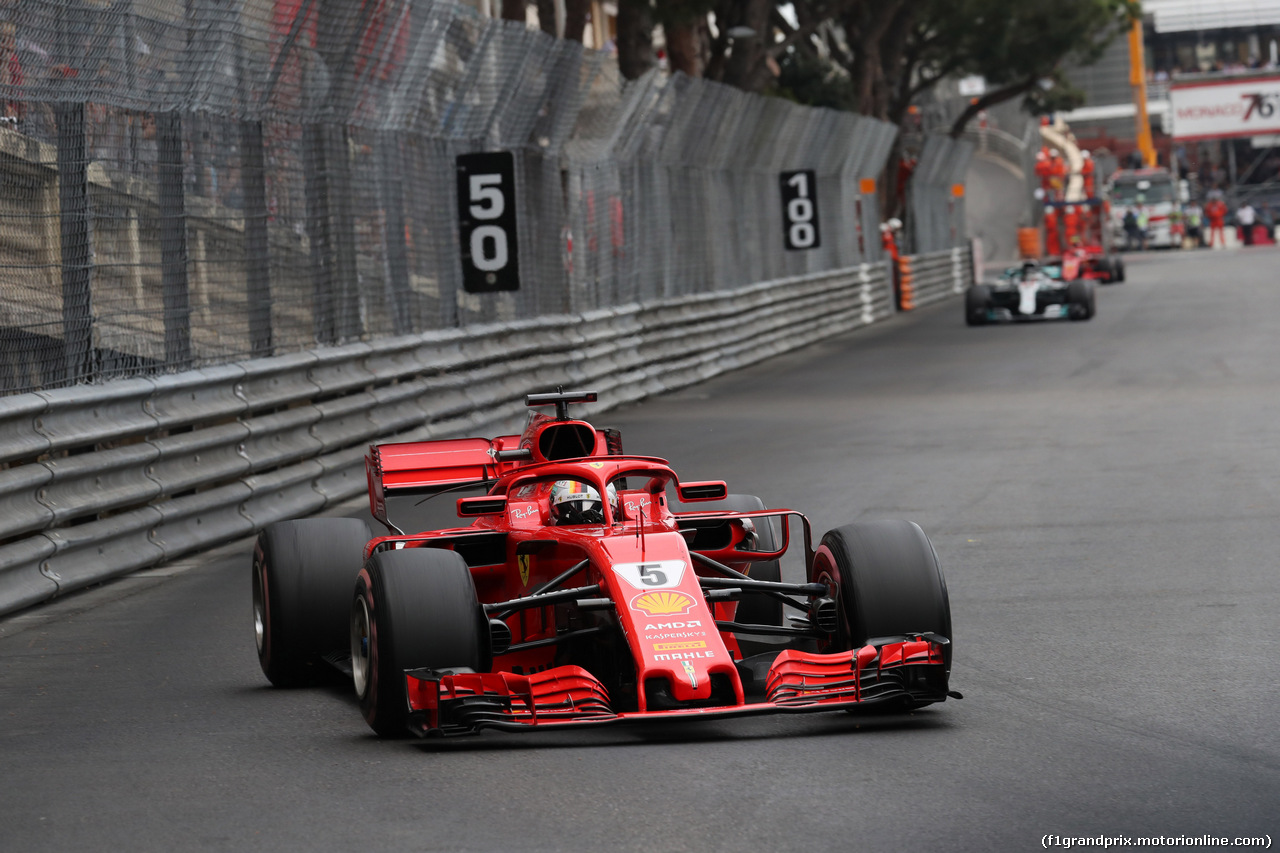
<point>999,96</point>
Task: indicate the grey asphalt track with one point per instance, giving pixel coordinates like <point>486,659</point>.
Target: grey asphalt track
<point>1103,497</point>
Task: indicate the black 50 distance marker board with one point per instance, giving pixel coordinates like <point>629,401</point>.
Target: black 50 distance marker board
<point>487,222</point>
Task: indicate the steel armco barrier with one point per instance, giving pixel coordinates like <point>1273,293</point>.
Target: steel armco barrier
<point>99,481</point>
<point>928,278</point>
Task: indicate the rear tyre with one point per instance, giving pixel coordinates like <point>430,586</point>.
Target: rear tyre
<point>755,608</point>
<point>887,581</point>
<point>413,609</point>
<point>1081,299</point>
<point>977,302</point>
<point>1119,269</point>
<point>302,576</point>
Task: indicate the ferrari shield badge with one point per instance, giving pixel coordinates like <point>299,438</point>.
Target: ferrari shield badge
<point>689,671</point>
<point>522,562</point>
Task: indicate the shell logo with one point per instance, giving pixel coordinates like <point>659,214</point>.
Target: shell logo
<point>662,603</point>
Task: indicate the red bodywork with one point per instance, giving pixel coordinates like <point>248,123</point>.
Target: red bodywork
<point>669,658</point>
<point>1076,238</point>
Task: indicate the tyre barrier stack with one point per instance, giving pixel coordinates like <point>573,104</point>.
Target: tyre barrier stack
<point>927,278</point>
<point>98,481</point>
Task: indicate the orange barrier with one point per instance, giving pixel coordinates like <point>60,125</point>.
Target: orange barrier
<point>1029,242</point>
<point>906,299</point>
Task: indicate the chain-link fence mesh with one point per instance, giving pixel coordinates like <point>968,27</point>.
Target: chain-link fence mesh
<point>1006,131</point>
<point>190,182</point>
<point>935,208</point>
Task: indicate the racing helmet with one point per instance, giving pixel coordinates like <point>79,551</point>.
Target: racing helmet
<point>1030,268</point>
<point>574,502</point>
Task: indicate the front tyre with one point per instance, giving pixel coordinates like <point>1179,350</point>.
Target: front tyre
<point>887,581</point>
<point>302,576</point>
<point>1082,298</point>
<point>977,302</point>
<point>414,608</point>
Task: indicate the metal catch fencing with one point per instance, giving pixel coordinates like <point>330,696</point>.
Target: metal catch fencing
<point>935,209</point>
<point>99,481</point>
<point>187,184</point>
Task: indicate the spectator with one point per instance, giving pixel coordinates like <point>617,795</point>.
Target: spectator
<point>1144,224</point>
<point>1194,218</point>
<point>1132,236</point>
<point>1216,210</point>
<point>1246,217</point>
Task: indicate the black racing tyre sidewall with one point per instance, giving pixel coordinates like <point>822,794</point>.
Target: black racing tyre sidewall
<point>754,608</point>
<point>977,301</point>
<point>1081,299</point>
<point>1119,269</point>
<point>302,575</point>
<point>887,580</point>
<point>423,613</point>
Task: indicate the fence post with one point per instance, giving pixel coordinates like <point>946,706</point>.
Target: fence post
<point>77,254</point>
<point>173,242</point>
<point>391,178</point>
<point>330,226</point>
<point>257,245</point>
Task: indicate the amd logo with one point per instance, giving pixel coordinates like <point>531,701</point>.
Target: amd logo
<point>668,626</point>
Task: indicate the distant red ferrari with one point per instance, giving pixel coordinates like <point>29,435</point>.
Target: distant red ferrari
<point>585,590</point>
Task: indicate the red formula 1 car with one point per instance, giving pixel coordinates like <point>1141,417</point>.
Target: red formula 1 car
<point>581,593</point>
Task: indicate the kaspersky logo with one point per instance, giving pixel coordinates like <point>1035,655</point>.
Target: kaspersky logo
<point>662,603</point>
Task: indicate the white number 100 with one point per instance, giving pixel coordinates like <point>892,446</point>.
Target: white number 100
<point>800,212</point>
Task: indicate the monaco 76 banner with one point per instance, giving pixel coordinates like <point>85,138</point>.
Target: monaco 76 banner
<point>1221,109</point>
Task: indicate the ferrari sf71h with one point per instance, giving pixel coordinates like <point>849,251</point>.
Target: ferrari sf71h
<point>588,587</point>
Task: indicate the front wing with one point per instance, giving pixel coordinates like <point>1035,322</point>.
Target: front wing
<point>451,703</point>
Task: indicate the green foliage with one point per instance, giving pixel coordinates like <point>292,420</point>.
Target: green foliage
<point>1062,96</point>
<point>1008,41</point>
<point>814,81</point>
<point>1012,43</point>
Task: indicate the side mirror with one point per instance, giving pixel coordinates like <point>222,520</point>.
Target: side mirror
<point>711,490</point>
<point>483,505</point>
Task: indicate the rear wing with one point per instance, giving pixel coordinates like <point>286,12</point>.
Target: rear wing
<point>427,467</point>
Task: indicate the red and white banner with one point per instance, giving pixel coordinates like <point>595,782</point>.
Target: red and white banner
<point>1221,109</point>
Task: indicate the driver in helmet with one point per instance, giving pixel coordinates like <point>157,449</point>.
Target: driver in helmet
<point>1030,270</point>
<point>574,502</point>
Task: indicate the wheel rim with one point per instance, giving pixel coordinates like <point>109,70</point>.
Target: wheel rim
<point>360,639</point>
<point>259,609</point>
<point>824,571</point>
